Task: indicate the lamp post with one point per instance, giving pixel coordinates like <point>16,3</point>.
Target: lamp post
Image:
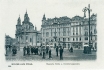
<point>89,10</point>
<point>55,37</point>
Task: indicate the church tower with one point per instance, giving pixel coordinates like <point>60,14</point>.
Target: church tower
<point>18,26</point>
<point>18,30</point>
<point>43,20</point>
<point>26,18</point>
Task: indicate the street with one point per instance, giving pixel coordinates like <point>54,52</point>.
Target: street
<point>76,56</point>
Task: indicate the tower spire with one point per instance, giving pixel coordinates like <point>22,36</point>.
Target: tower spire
<point>44,18</point>
<point>26,11</point>
<point>19,21</point>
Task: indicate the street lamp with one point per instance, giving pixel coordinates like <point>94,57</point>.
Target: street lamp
<point>55,37</point>
<point>89,10</point>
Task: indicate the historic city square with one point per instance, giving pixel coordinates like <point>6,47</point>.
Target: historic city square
<point>60,38</point>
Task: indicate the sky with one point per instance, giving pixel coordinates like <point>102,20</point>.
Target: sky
<point>11,9</point>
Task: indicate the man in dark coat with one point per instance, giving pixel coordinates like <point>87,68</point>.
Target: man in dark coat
<point>24,51</point>
<point>28,50</point>
<point>57,51</point>
<point>36,50</point>
<point>71,49</point>
<point>14,51</point>
<point>44,50</point>
<point>61,53</point>
<point>31,50</point>
<point>50,53</point>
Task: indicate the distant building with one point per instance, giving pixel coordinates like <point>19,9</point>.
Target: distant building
<point>8,41</point>
<point>26,35</point>
<point>68,32</point>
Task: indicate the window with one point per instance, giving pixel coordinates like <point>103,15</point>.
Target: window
<point>86,38</point>
<point>64,39</point>
<point>68,39</point>
<point>43,39</point>
<point>46,40</point>
<point>76,39</point>
<point>73,39</point>
<point>59,33</point>
<point>26,37</point>
<point>86,28</point>
<point>43,34</point>
<point>64,29</point>
<point>76,29</point>
<point>64,33</point>
<point>68,31</point>
<point>94,31</point>
<point>80,38</point>
<point>68,45</point>
<point>95,38</point>
<point>59,39</point>
<point>51,32</point>
<point>86,33</point>
<point>91,27</point>
<point>73,33</point>
<point>30,40</point>
<point>47,34</point>
<point>73,29</point>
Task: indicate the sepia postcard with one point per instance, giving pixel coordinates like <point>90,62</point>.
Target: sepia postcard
<point>51,34</point>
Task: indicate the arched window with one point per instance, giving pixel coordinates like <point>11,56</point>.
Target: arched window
<point>30,40</point>
<point>47,34</point>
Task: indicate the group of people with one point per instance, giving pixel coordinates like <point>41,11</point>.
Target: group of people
<point>59,49</point>
<point>30,50</point>
<point>42,51</point>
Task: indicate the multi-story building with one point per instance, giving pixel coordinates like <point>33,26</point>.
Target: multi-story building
<point>26,34</point>
<point>69,32</point>
<point>8,41</point>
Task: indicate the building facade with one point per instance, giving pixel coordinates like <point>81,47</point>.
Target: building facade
<point>26,33</point>
<point>69,32</point>
<point>9,41</point>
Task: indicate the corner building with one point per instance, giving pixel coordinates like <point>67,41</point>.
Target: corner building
<point>69,32</point>
<point>26,35</point>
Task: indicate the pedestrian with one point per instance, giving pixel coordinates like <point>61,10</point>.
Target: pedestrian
<point>44,52</point>
<point>36,50</point>
<point>57,51</point>
<point>14,51</point>
<point>46,49</point>
<point>28,50</point>
<point>24,51</point>
<point>61,53</point>
<point>50,53</point>
<point>71,49</point>
<point>31,50</point>
<point>40,51</point>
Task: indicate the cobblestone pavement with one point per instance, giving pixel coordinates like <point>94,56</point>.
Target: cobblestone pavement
<point>76,56</point>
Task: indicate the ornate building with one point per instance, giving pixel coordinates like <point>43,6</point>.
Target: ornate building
<point>26,34</point>
<point>68,32</point>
